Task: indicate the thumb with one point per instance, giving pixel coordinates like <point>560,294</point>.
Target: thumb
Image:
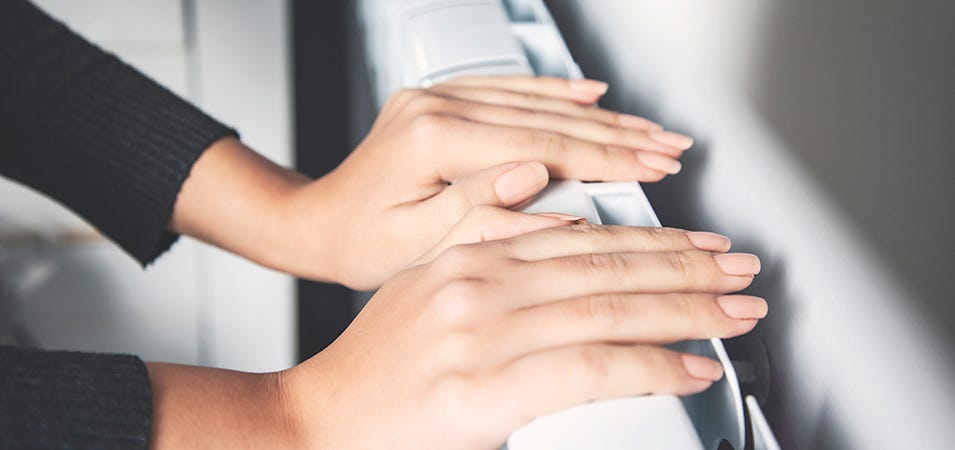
<point>503,185</point>
<point>488,223</point>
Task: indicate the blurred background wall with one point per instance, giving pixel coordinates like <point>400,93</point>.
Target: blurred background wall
<point>823,145</point>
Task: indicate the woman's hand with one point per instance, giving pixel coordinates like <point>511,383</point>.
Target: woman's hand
<point>476,340</point>
<point>433,154</point>
<point>479,339</point>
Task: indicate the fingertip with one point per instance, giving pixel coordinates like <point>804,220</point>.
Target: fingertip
<point>637,122</point>
<point>585,86</point>
<point>520,183</point>
<point>677,140</point>
<point>540,169</point>
<point>711,242</point>
<point>695,386</point>
<point>701,368</point>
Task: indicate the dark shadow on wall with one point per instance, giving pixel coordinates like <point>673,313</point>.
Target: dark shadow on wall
<point>864,90</point>
<point>825,125</point>
<point>321,143</point>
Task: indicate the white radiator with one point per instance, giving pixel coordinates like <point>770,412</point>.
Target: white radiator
<point>417,43</point>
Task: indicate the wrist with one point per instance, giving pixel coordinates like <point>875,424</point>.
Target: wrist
<point>305,230</point>
<point>199,407</point>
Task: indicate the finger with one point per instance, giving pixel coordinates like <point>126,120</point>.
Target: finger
<point>523,100</point>
<point>478,145</point>
<point>485,223</point>
<point>586,238</point>
<point>581,91</point>
<point>629,318</point>
<point>608,273</point>
<point>504,185</point>
<point>664,142</point>
<point>549,381</point>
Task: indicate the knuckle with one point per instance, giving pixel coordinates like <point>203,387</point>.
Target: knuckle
<point>601,115</point>
<point>602,234</point>
<point>457,261</point>
<point>608,310</point>
<point>546,116</point>
<point>591,366</point>
<point>426,102</point>
<point>595,236</point>
<point>457,209</point>
<point>455,304</point>
<point>613,263</point>
<point>661,234</point>
<point>401,97</point>
<point>427,126</point>
<point>681,265</point>
<point>702,269</point>
<point>693,318</point>
<point>481,213</point>
<point>661,364</point>
<point>549,144</point>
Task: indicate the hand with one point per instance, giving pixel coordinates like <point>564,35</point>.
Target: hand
<point>477,340</point>
<point>433,154</point>
<point>430,157</point>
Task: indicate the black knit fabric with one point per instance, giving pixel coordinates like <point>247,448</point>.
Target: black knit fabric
<point>73,400</point>
<point>91,132</point>
<point>86,129</point>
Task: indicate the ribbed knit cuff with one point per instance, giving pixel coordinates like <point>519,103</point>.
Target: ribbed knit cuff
<point>73,400</point>
<point>93,133</point>
<point>132,144</point>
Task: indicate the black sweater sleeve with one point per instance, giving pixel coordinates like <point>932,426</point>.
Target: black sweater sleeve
<point>73,400</point>
<point>91,132</point>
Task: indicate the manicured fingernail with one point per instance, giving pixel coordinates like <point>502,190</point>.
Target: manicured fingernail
<point>574,220</point>
<point>521,182</point>
<point>702,368</point>
<point>711,242</point>
<point>587,86</point>
<point>637,122</point>
<point>737,263</point>
<point>743,306</point>
<point>670,138</point>
<point>660,162</point>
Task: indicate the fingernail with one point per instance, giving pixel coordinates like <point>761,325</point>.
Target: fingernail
<point>743,306</point>
<point>670,138</point>
<point>521,182</point>
<point>637,122</point>
<point>711,242</point>
<point>702,368</point>
<point>660,162</point>
<point>592,87</point>
<point>737,263</point>
<point>574,220</point>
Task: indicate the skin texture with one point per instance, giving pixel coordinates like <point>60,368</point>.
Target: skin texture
<point>486,317</point>
<point>476,339</point>
<point>431,156</point>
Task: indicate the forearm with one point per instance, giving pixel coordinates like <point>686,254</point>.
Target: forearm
<point>199,407</point>
<point>238,200</point>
